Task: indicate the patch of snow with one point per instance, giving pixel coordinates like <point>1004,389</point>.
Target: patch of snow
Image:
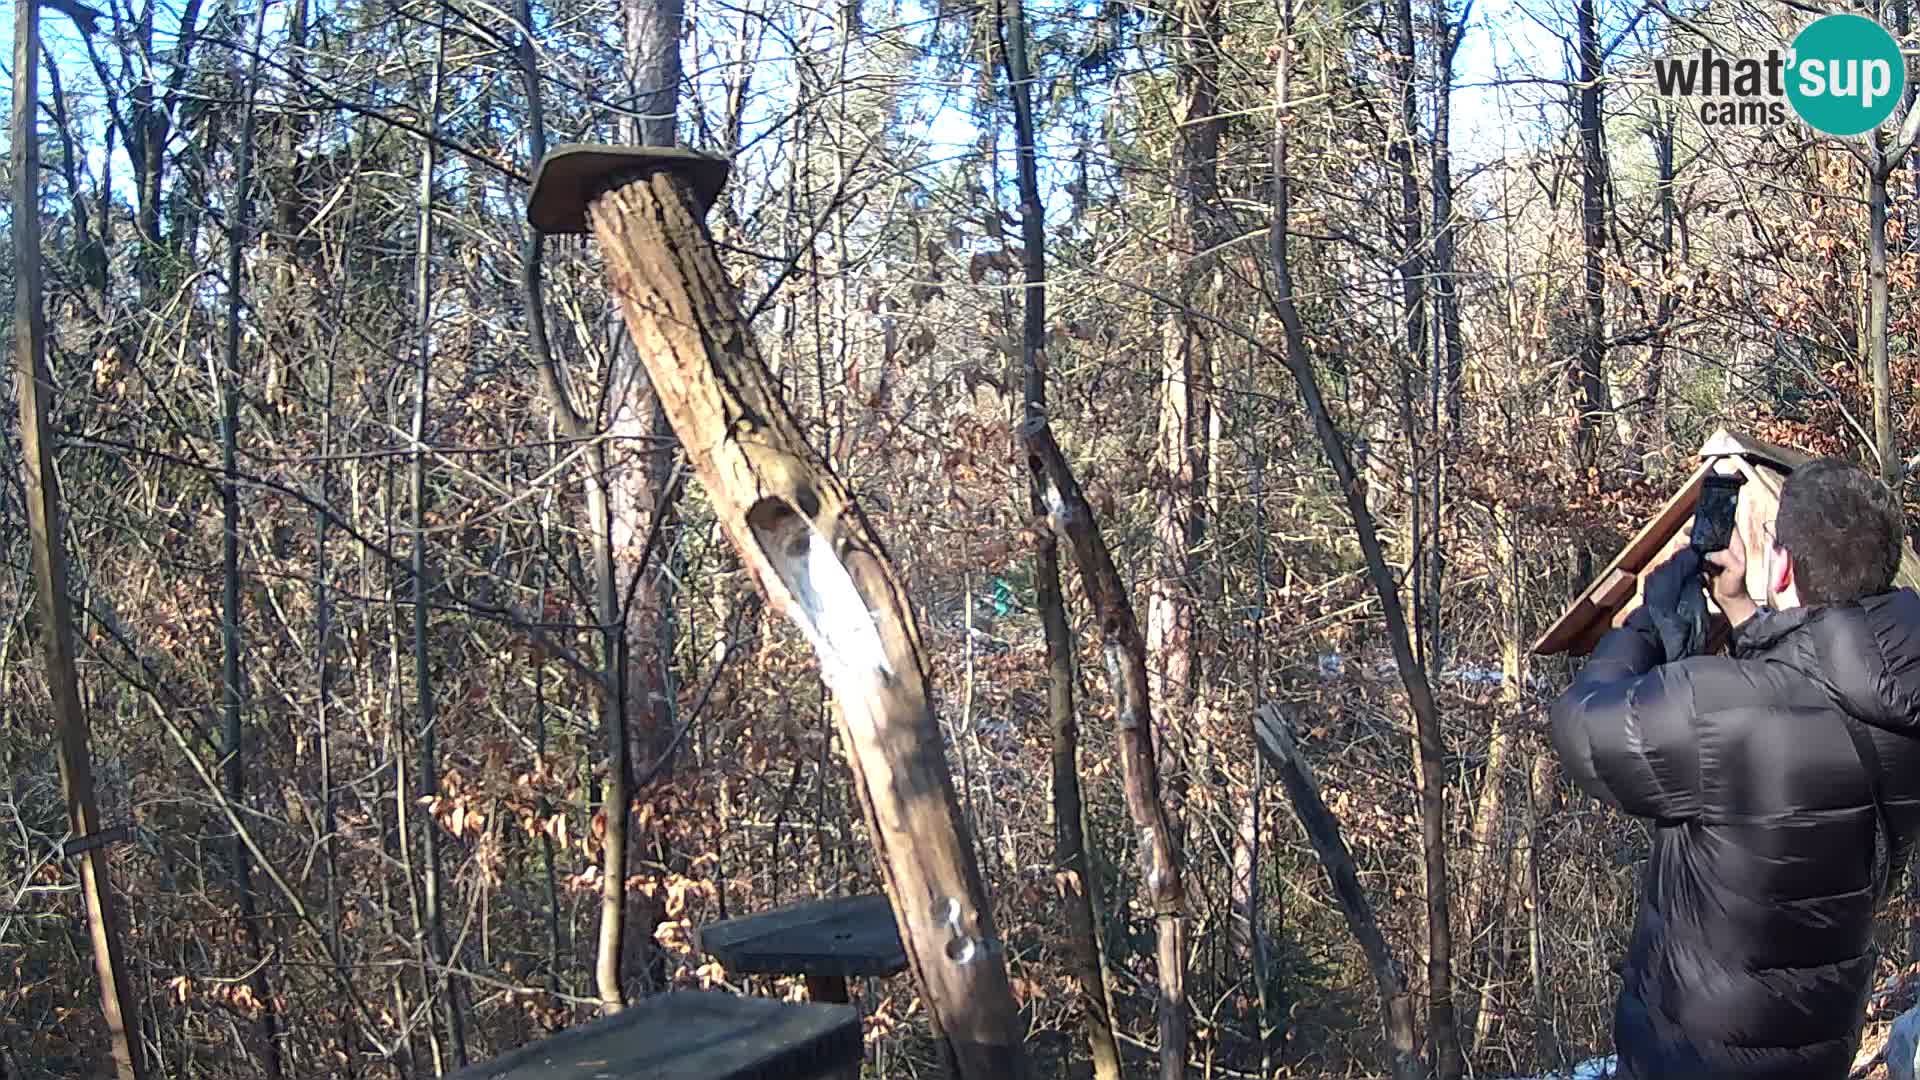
<point>1592,1069</point>
<point>1903,1045</point>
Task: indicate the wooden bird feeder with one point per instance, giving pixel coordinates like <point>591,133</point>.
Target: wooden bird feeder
<point>813,555</point>
<point>1617,591</point>
<point>692,1036</point>
<point>827,941</point>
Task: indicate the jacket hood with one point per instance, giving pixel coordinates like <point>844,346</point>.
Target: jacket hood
<point>1866,654</point>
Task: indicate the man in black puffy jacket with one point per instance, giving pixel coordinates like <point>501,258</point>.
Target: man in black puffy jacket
<point>1783,786</point>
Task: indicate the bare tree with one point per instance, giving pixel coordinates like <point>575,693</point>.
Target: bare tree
<point>45,525</point>
<point>1079,886</point>
<point>1429,748</point>
<point>424,347</point>
<point>238,222</point>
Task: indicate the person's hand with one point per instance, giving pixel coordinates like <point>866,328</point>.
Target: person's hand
<point>1727,577</point>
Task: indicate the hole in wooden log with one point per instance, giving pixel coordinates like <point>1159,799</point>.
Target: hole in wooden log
<point>827,603</point>
<point>946,912</point>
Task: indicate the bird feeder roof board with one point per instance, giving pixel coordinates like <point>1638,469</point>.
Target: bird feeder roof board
<point>846,937</point>
<point>692,1036</point>
<point>1615,592</point>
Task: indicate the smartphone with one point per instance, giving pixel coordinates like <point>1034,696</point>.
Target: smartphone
<point>1713,516</point>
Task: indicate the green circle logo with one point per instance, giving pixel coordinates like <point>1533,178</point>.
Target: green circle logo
<point>1847,74</point>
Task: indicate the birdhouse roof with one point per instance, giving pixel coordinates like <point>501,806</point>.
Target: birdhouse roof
<point>1616,589</point>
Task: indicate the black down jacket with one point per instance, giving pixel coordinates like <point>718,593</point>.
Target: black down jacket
<point>1752,952</point>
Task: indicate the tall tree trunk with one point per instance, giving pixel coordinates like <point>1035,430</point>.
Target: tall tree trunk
<point>1591,375</point>
<point>1413,298</point>
<point>567,420</point>
<point>1539,795</point>
<point>1180,471</point>
<point>34,391</point>
<point>1429,750</point>
<point>1492,880</point>
<point>1877,316</point>
<point>238,220</point>
<point>1648,430</point>
<point>323,660</point>
<point>1443,380</point>
<point>1079,885</point>
<point>1446,229</point>
<point>641,492</point>
<point>1273,1035</point>
<point>451,1012</point>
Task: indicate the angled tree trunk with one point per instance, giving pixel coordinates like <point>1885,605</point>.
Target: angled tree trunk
<point>1078,886</point>
<point>816,558</point>
<point>238,222</point>
<point>1273,733</point>
<point>1429,749</point>
<point>45,522</point>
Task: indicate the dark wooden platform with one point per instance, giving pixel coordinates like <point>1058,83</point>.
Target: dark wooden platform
<point>844,937</point>
<point>693,1036</point>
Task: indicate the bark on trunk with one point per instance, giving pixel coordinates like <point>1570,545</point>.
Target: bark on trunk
<point>34,390</point>
<point>1650,435</point>
<point>816,558</point>
<point>1274,735</point>
<point>1591,373</point>
<point>1539,793</point>
<point>641,492</point>
<point>1180,465</point>
<point>1161,864</point>
<point>1883,443</point>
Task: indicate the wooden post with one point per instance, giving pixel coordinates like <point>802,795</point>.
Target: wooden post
<point>35,386</point>
<point>812,553</point>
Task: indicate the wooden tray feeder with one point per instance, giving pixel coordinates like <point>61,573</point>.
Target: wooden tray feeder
<point>827,941</point>
<point>692,1036</point>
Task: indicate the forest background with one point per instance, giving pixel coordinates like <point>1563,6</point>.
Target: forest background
<point>364,562</point>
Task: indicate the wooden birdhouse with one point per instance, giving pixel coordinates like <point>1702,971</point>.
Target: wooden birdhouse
<point>1617,590</point>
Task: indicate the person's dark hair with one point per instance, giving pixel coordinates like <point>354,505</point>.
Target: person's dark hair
<point>1844,530</point>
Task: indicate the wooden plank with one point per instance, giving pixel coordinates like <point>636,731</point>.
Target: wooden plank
<point>1615,587</point>
<point>1575,623</point>
<point>692,1036</point>
<point>843,937</point>
<point>69,848</point>
<point>1725,442</point>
